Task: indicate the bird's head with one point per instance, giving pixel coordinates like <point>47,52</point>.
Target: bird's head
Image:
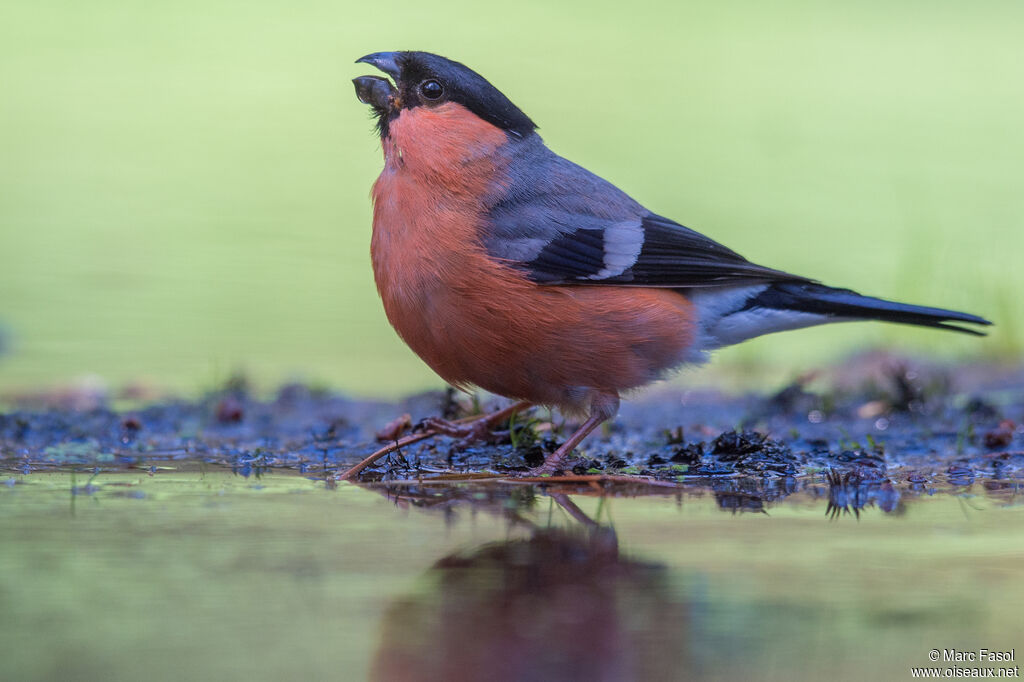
<point>422,79</point>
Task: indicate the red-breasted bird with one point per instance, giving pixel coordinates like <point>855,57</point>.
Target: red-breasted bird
<point>505,266</point>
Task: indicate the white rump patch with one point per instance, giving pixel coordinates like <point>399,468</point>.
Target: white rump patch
<point>721,322</point>
<point>757,321</point>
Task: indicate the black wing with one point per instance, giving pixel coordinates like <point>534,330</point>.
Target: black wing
<point>650,251</point>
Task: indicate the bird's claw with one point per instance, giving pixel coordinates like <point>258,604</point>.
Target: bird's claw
<point>540,471</point>
<point>555,463</point>
<point>475,431</point>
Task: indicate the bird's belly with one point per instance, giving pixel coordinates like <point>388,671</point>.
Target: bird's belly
<point>484,324</point>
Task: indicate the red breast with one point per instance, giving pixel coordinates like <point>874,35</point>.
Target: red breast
<point>477,321</point>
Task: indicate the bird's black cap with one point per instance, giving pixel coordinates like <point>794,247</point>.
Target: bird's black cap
<point>425,79</point>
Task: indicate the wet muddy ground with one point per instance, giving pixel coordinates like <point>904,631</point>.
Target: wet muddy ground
<point>871,431</point>
<point>873,508</point>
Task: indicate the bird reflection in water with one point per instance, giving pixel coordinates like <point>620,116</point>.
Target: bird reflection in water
<point>557,604</point>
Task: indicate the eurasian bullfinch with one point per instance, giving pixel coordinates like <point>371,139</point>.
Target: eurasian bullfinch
<point>508,267</point>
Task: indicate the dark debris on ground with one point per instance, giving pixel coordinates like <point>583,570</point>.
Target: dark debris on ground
<point>870,428</point>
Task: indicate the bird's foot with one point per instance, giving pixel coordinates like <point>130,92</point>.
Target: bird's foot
<point>475,429</point>
<point>555,460</point>
<point>551,465</point>
<point>542,471</point>
<point>472,432</point>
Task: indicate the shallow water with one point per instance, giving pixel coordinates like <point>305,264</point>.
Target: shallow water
<point>192,574</point>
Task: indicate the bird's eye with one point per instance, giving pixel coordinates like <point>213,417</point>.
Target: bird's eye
<point>431,89</point>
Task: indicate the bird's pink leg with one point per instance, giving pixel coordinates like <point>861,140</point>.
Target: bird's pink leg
<point>475,428</point>
<point>603,407</point>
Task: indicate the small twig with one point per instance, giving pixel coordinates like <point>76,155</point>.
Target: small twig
<point>482,477</point>
<point>591,478</point>
<point>387,449</point>
<point>444,480</point>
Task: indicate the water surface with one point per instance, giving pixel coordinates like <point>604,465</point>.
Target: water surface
<point>202,574</point>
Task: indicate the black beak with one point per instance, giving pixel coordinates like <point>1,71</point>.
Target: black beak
<point>375,91</point>
<point>385,61</point>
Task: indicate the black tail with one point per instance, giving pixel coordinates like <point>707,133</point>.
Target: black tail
<point>821,300</point>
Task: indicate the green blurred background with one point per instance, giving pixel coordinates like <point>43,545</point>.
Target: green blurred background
<point>184,186</point>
